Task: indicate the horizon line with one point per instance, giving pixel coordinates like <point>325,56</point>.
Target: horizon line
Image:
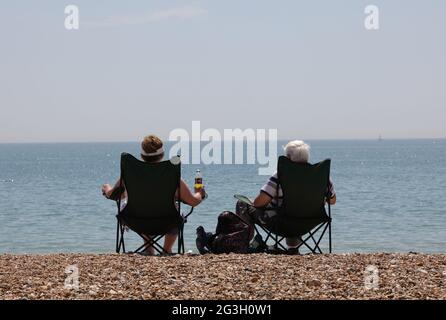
<point>223,140</point>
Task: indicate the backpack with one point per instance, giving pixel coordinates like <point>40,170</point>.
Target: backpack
<point>232,234</point>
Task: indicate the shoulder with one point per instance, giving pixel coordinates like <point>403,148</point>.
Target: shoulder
<point>274,177</point>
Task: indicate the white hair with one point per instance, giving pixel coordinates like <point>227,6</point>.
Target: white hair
<point>297,151</point>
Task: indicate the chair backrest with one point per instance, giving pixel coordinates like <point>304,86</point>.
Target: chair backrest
<point>150,187</point>
<point>304,189</point>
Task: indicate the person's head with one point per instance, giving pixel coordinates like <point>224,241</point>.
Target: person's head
<point>152,149</point>
<point>297,151</point>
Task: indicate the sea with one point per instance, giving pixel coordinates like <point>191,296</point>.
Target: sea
<point>391,195</point>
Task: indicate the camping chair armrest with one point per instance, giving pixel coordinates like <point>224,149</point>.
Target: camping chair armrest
<point>116,194</point>
<point>189,213</point>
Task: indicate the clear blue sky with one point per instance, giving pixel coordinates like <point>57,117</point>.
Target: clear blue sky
<point>306,68</point>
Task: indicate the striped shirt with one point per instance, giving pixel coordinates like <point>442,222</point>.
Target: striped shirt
<point>271,188</point>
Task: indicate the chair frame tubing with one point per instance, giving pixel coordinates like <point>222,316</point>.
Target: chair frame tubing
<point>150,241</point>
<point>316,248</point>
<point>278,246</point>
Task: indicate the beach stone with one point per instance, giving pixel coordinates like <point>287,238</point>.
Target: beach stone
<point>233,276</point>
<point>313,283</point>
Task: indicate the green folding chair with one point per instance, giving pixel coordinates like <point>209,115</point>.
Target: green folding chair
<point>150,209</point>
<point>302,213</point>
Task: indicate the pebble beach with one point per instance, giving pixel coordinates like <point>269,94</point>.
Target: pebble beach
<point>232,276</point>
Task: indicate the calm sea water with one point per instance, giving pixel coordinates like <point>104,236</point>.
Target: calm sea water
<point>391,195</point>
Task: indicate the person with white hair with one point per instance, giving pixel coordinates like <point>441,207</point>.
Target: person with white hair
<point>271,196</point>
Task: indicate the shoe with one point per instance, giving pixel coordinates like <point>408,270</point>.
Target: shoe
<point>201,241</point>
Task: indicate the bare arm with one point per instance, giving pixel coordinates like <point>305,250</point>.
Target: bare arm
<point>262,200</point>
<point>108,190</point>
<point>192,199</point>
<point>331,192</point>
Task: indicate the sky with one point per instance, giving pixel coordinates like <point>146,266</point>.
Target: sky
<point>309,69</point>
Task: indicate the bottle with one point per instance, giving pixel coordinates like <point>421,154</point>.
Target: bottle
<point>198,180</point>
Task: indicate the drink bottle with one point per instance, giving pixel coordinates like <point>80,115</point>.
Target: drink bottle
<point>198,180</point>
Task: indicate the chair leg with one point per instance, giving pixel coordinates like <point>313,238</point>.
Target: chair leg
<point>276,245</point>
<point>180,239</point>
<point>329,235</point>
<point>120,237</point>
<point>304,241</point>
<point>316,249</point>
<point>281,246</point>
<point>322,235</point>
<point>257,232</point>
<point>148,241</point>
<point>268,234</point>
<point>118,240</point>
<point>158,247</point>
<point>316,244</point>
<point>273,236</point>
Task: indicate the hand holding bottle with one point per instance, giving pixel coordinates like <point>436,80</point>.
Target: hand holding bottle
<point>199,186</point>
